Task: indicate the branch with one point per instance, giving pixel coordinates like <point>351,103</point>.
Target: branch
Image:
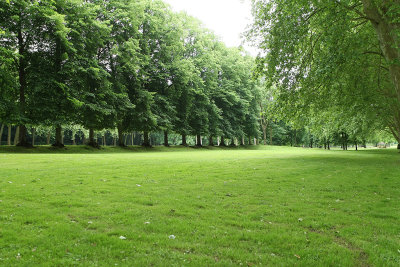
<point>354,9</point>
<point>383,67</point>
<point>374,53</point>
<point>397,136</point>
<point>312,14</point>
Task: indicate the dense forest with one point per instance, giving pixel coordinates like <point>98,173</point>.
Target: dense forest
<point>123,72</point>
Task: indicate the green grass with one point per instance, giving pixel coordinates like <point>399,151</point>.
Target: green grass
<point>267,206</point>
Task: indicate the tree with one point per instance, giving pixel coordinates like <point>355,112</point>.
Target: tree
<point>92,91</point>
<point>26,26</point>
<point>323,53</point>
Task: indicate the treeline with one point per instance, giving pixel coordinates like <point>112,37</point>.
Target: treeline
<point>331,67</point>
<point>132,66</point>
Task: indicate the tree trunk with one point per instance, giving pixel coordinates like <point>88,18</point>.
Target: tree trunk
<point>22,140</point>
<point>16,137</point>
<point>249,140</point>
<point>114,140</point>
<point>184,143</point>
<point>386,28</point>
<point>233,144</point>
<point>198,140</point>
<point>398,146</point>
<point>295,137</point>
<point>166,139</point>
<point>1,132</point>
<point>132,138</point>
<point>104,140</point>
<point>270,135</point>
<point>9,135</point>
<point>92,142</point>
<point>242,141</point>
<point>329,146</point>
<point>222,143</point>
<point>210,141</point>
<point>356,146</point>
<point>146,140</point>
<point>73,133</point>
<point>120,137</point>
<point>59,137</point>
<point>33,136</point>
<point>48,138</point>
<point>264,128</point>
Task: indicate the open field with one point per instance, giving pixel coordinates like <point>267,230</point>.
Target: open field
<point>264,206</point>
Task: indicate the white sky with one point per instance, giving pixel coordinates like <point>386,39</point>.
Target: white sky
<point>227,18</point>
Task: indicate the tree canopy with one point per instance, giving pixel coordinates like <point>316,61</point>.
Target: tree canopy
<point>331,62</point>
<point>121,64</point>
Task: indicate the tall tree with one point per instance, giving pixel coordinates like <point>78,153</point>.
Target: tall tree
<point>323,53</point>
<point>25,26</point>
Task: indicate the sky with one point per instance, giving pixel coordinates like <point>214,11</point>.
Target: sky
<point>227,18</point>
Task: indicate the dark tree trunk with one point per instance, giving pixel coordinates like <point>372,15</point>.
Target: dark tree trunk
<point>1,132</point>
<point>198,140</point>
<point>325,145</point>
<point>9,135</point>
<point>184,143</point>
<point>233,142</point>
<point>146,140</point>
<point>249,140</point>
<point>16,136</point>
<point>22,140</point>
<point>222,141</point>
<point>270,135</point>
<point>59,139</point>
<point>329,146</point>
<point>166,139</point>
<point>356,146</point>
<point>48,138</point>
<point>120,137</point>
<point>33,136</point>
<point>104,140</point>
<point>210,141</point>
<point>92,142</point>
<point>398,146</point>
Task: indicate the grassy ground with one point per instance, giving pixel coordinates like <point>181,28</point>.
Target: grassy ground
<point>264,206</point>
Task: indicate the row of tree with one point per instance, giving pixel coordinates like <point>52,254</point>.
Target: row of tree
<point>331,66</point>
<point>121,64</point>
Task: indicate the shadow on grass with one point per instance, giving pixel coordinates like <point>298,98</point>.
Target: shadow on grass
<point>81,149</point>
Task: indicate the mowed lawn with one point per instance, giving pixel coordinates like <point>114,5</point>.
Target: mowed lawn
<point>265,206</point>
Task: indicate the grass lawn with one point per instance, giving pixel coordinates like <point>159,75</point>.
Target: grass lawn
<point>268,206</point>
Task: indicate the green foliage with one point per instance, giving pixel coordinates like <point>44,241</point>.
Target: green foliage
<point>131,65</point>
<point>328,65</point>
